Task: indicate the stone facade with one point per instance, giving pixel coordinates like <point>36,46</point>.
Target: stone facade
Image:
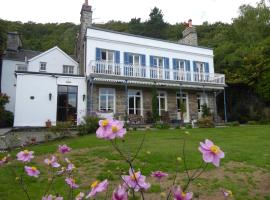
<point>120,98</point>
<point>189,36</point>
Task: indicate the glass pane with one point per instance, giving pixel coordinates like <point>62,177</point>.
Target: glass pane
<point>155,61</point>
<point>110,91</point>
<point>62,88</point>
<point>138,93</point>
<point>62,100</point>
<point>130,59</point>
<point>103,55</point>
<point>72,100</point>
<point>137,60</point>
<point>162,103</point>
<point>131,102</point>
<point>72,115</point>
<point>138,102</point>
<point>102,102</point>
<point>131,111</point>
<point>160,62</point>
<point>72,89</point>
<point>110,103</point>
<point>61,114</point>
<point>110,56</point>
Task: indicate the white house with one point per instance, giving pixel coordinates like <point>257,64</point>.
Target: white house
<point>116,74</point>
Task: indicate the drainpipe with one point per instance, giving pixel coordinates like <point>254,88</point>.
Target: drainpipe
<point>225,105</point>
<point>91,95</point>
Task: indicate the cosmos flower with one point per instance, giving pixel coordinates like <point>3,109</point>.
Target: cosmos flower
<point>211,153</point>
<point>110,129</point>
<point>120,193</point>
<point>25,156</point>
<point>178,194</point>
<point>136,180</point>
<point>71,182</point>
<point>31,171</point>
<point>64,149</point>
<point>52,162</point>
<point>97,187</point>
<point>159,175</point>
<point>80,196</point>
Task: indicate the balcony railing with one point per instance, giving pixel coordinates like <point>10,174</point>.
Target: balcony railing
<point>147,72</point>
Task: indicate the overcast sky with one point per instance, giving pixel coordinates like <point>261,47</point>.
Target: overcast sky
<point>69,10</point>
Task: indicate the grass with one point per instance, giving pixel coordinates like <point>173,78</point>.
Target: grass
<point>247,151</point>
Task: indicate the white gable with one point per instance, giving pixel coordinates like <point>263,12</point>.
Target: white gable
<point>55,59</point>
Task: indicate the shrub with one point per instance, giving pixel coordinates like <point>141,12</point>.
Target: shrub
<point>251,122</point>
<point>188,126</point>
<point>6,118</point>
<point>162,125</point>
<point>62,129</point>
<point>205,111</point>
<point>235,123</point>
<point>206,122</point>
<point>89,125</point>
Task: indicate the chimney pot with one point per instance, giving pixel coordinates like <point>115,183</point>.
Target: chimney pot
<point>190,23</point>
<point>86,2</point>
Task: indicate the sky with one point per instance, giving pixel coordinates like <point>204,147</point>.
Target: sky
<point>53,11</point>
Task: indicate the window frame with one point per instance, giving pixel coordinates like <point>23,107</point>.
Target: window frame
<point>69,67</point>
<point>107,94</point>
<point>158,59</point>
<point>141,101</point>
<point>40,66</point>
<point>107,51</point>
<point>165,102</point>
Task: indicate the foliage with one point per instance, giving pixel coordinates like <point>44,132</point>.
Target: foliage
<point>165,117</point>
<point>206,122</point>
<point>88,126</point>
<point>162,125</point>
<point>252,123</point>
<point>205,111</point>
<point>149,117</point>
<point>62,129</point>
<point>155,112</point>
<point>6,117</point>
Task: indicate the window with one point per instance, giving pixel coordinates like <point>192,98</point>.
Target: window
<point>134,59</point>
<point>107,55</point>
<point>162,102</point>
<point>135,102</point>
<point>21,67</point>
<point>107,99</point>
<point>158,62</point>
<point>68,69</point>
<point>67,103</point>
<point>184,101</point>
<point>201,99</point>
<point>42,66</point>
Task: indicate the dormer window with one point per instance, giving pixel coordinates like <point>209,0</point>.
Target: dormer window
<point>42,66</point>
<point>68,69</point>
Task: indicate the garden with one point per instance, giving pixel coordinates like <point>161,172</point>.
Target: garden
<point>143,164</point>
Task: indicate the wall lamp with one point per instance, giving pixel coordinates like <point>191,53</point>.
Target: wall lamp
<point>83,96</point>
<point>50,96</point>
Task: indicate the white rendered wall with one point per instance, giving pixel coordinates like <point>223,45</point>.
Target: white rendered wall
<point>148,47</point>
<point>55,60</point>
<point>36,112</point>
<point>8,82</point>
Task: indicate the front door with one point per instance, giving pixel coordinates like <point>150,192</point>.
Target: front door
<point>67,103</point>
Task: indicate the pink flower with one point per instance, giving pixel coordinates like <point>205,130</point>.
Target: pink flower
<point>51,197</point>
<point>227,193</point>
<point>31,171</point>
<point>71,182</point>
<point>25,156</point>
<point>159,174</point>
<point>110,129</point>
<point>120,193</point>
<point>178,194</point>
<point>211,153</point>
<point>52,162</point>
<point>136,180</point>
<point>80,196</point>
<point>97,187</point>
<point>70,166</point>
<point>3,160</point>
<point>64,149</point>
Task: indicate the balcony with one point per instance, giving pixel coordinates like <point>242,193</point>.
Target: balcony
<point>154,73</point>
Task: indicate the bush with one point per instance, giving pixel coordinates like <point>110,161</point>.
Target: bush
<point>206,122</point>
<point>188,126</point>
<point>6,119</point>
<point>62,129</point>
<point>235,123</point>
<point>162,125</point>
<point>252,123</point>
<point>89,125</point>
<point>205,111</point>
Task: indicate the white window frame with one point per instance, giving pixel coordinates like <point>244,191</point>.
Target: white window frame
<point>203,99</point>
<point>133,55</point>
<point>157,60</point>
<point>141,97</point>
<point>68,67</point>
<point>184,96</point>
<point>107,98</point>
<point>40,66</point>
<point>159,99</point>
<point>107,55</point>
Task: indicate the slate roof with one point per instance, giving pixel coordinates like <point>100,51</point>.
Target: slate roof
<point>20,55</point>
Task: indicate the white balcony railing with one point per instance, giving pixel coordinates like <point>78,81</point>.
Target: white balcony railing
<point>127,70</point>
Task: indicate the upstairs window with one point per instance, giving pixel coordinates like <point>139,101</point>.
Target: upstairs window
<point>42,66</point>
<point>107,55</point>
<point>68,69</point>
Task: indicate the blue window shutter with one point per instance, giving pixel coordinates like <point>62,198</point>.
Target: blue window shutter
<point>117,56</point>
<point>175,64</point>
<point>187,65</point>
<point>152,61</point>
<point>143,60</point>
<point>98,54</point>
<point>206,67</point>
<point>194,66</point>
<point>167,63</point>
<point>126,58</point>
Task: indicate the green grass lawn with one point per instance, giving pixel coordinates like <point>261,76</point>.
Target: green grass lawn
<point>245,169</point>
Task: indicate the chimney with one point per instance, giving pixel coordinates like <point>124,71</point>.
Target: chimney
<point>86,21</point>
<point>189,35</point>
<point>14,42</point>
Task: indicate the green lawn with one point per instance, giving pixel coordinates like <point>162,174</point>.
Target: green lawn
<point>245,169</point>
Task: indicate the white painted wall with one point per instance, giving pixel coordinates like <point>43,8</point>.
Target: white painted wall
<point>8,82</point>
<point>55,59</point>
<point>36,112</point>
<point>149,47</point>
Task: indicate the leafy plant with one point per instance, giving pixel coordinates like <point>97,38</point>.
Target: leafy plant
<point>206,122</point>
<point>88,126</point>
<point>205,111</point>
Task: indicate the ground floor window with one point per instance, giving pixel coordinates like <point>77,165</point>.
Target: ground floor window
<point>201,100</point>
<point>135,102</point>
<point>67,103</point>
<point>162,102</point>
<point>107,99</point>
<point>184,101</point>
